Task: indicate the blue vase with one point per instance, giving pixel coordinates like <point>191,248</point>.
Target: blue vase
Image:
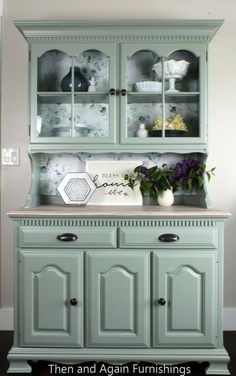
<point>80,82</point>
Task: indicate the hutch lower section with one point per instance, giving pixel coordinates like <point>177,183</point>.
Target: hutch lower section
<point>118,288</point>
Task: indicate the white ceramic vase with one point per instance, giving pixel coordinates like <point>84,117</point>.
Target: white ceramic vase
<point>142,131</point>
<point>165,198</point>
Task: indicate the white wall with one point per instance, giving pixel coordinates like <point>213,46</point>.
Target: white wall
<point>222,105</point>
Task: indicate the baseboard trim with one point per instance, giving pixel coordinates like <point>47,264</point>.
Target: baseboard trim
<point>6,319</point>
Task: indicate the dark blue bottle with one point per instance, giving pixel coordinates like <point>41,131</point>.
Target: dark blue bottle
<point>80,82</point>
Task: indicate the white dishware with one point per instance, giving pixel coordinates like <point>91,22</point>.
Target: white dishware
<point>61,131</point>
<point>142,131</point>
<point>173,69</point>
<point>81,130</point>
<point>149,86</point>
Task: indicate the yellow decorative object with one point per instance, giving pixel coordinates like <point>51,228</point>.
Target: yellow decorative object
<point>175,122</point>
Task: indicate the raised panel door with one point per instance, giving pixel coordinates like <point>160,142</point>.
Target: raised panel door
<point>118,299</point>
<point>184,301</point>
<point>51,306</point>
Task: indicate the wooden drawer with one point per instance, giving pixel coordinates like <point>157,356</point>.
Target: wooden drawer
<point>67,237</point>
<point>167,237</point>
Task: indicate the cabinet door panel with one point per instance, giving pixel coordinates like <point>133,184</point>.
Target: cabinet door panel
<point>48,282</point>
<point>70,93</point>
<point>187,316</point>
<point>163,84</point>
<point>118,299</point>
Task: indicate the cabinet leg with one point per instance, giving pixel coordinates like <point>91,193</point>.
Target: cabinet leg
<point>18,366</point>
<point>218,368</point>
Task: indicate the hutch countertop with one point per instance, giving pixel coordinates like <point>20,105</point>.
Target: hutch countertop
<point>117,211</point>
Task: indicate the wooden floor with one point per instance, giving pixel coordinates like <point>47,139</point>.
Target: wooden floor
<point>40,369</point>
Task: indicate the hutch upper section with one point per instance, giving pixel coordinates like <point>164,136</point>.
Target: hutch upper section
<point>118,86</point>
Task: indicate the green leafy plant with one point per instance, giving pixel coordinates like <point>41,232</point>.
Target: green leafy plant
<point>186,175</point>
<point>152,180</point>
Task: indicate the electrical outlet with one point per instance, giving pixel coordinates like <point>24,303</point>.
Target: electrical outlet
<point>10,156</point>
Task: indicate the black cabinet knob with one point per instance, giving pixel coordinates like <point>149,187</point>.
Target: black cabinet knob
<point>73,302</point>
<point>112,91</point>
<point>168,238</point>
<point>123,92</point>
<point>161,301</point>
<point>67,237</point>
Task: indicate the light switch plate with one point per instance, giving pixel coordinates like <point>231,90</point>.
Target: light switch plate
<point>10,156</point>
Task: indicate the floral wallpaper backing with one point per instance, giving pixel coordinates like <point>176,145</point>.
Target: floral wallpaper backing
<point>53,167</point>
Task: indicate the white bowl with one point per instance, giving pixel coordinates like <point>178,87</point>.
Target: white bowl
<point>149,86</point>
<point>81,130</point>
<point>172,68</point>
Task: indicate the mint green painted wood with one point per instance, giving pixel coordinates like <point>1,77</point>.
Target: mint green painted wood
<point>87,237</point>
<point>123,322</point>
<point>18,366</point>
<point>139,237</point>
<point>187,283</point>
<point>72,50</point>
<point>118,295</point>
<point>163,36</point>
<point>193,30</point>
<point>105,148</point>
<point>48,280</point>
<point>162,51</point>
<point>187,271</point>
<point>218,364</point>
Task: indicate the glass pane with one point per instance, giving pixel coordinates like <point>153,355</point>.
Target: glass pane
<point>172,111</point>
<point>182,95</point>
<point>94,65</point>
<point>183,67</point>
<point>143,99</point>
<point>91,117</point>
<point>181,118</point>
<point>139,70</point>
<point>53,66</point>
<point>141,110</point>
<point>91,110</point>
<point>54,116</point>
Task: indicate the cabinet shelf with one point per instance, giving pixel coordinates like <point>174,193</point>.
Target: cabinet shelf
<point>66,97</point>
<point>98,97</point>
<point>149,97</point>
<point>55,98</point>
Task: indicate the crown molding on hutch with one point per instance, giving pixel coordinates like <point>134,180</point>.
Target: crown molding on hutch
<point>120,30</point>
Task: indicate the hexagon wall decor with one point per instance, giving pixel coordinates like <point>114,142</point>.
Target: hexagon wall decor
<point>76,188</point>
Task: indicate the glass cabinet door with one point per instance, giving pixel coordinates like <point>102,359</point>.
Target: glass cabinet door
<point>165,92</point>
<point>74,102</point>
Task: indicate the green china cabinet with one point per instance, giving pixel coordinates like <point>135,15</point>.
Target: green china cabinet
<point>122,283</point>
<point>135,72</point>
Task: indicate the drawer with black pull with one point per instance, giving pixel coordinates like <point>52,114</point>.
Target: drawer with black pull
<point>67,237</point>
<point>168,237</point>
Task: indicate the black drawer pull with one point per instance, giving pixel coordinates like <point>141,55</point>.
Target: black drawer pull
<point>161,301</point>
<point>168,238</point>
<point>67,237</point>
